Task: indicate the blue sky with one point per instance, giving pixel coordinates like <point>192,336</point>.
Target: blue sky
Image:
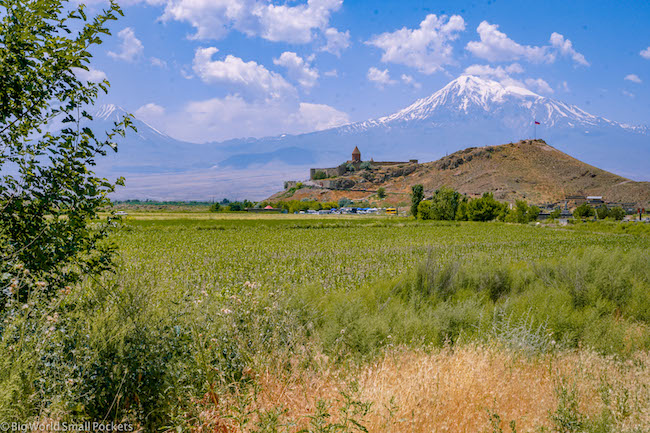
<point>210,70</point>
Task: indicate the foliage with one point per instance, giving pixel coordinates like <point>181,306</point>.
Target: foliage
<point>602,212</point>
<point>485,208</point>
<point>417,195</point>
<point>344,202</point>
<point>442,206</point>
<point>216,207</point>
<point>555,213</point>
<point>51,234</point>
<point>584,211</point>
<point>365,165</point>
<point>381,193</point>
<point>48,192</point>
<point>522,213</point>
<point>350,167</point>
<point>617,213</point>
<point>320,174</point>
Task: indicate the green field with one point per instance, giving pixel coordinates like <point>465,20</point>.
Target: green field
<point>222,307</point>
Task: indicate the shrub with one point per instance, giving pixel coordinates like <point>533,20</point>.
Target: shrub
<point>617,213</point>
<point>584,211</point>
<point>216,207</point>
<point>320,175</point>
<point>381,193</point>
<point>343,202</point>
<point>602,212</point>
<point>365,165</point>
<point>522,213</point>
<point>485,208</point>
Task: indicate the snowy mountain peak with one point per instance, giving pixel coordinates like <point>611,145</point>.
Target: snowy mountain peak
<point>108,112</point>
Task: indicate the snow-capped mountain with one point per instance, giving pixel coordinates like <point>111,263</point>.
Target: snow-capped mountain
<point>469,97</point>
<point>472,111</point>
<point>469,111</point>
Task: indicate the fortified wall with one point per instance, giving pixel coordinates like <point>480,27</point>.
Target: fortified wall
<point>356,162</point>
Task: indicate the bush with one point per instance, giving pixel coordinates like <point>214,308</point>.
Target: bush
<point>584,211</point>
<point>602,212</point>
<point>344,202</point>
<point>443,205</point>
<point>485,208</point>
<point>364,165</point>
<point>320,175</point>
<point>617,213</point>
<point>424,210</point>
<point>216,207</point>
<point>522,213</point>
<point>381,193</point>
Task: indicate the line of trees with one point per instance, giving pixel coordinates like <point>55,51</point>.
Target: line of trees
<point>447,204</point>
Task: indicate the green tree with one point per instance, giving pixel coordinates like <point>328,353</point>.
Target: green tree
<point>48,191</point>
<point>617,213</point>
<point>381,193</point>
<point>320,174</point>
<point>485,208</point>
<point>584,211</point>
<point>602,212</point>
<point>216,207</point>
<point>555,214</point>
<point>444,204</point>
<point>417,195</point>
<point>522,213</point>
<point>424,210</point>
<point>343,202</point>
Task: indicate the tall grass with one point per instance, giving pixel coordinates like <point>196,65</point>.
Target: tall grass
<point>203,329</point>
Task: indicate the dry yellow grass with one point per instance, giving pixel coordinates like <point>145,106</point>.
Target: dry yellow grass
<point>455,390</point>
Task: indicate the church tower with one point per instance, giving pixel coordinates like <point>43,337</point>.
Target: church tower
<point>356,155</point>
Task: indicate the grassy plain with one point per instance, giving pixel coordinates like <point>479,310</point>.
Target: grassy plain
<point>439,326</point>
<point>270,323</point>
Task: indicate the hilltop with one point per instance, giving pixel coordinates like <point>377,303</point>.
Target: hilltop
<point>530,169</point>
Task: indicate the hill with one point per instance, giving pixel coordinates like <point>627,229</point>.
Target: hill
<point>530,169</point>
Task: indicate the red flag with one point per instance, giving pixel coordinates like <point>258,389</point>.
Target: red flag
<point>537,123</point>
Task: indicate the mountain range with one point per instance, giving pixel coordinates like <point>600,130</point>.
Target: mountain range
<point>468,112</point>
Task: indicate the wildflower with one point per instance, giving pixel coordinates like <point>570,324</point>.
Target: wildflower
<point>226,311</point>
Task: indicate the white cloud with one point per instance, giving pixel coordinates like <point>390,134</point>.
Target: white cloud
<point>155,61</point>
<point>316,117</point>
<point>628,94</point>
<point>230,117</point>
<point>499,73</point>
<point>92,75</point>
<point>332,73</point>
<point>213,19</point>
<point>496,46</point>
<point>131,46</point>
<point>633,78</point>
<point>249,75</point>
<point>336,41</point>
<point>298,69</point>
<point>538,85</point>
<point>407,79</point>
<point>645,53</point>
<point>149,112</point>
<point>427,48</point>
<point>379,77</point>
<point>504,76</point>
<point>566,48</point>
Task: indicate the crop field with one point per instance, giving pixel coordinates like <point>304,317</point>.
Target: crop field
<point>280,253</point>
<point>283,323</point>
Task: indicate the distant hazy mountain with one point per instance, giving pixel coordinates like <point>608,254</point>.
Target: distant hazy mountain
<point>472,111</point>
<point>468,111</point>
